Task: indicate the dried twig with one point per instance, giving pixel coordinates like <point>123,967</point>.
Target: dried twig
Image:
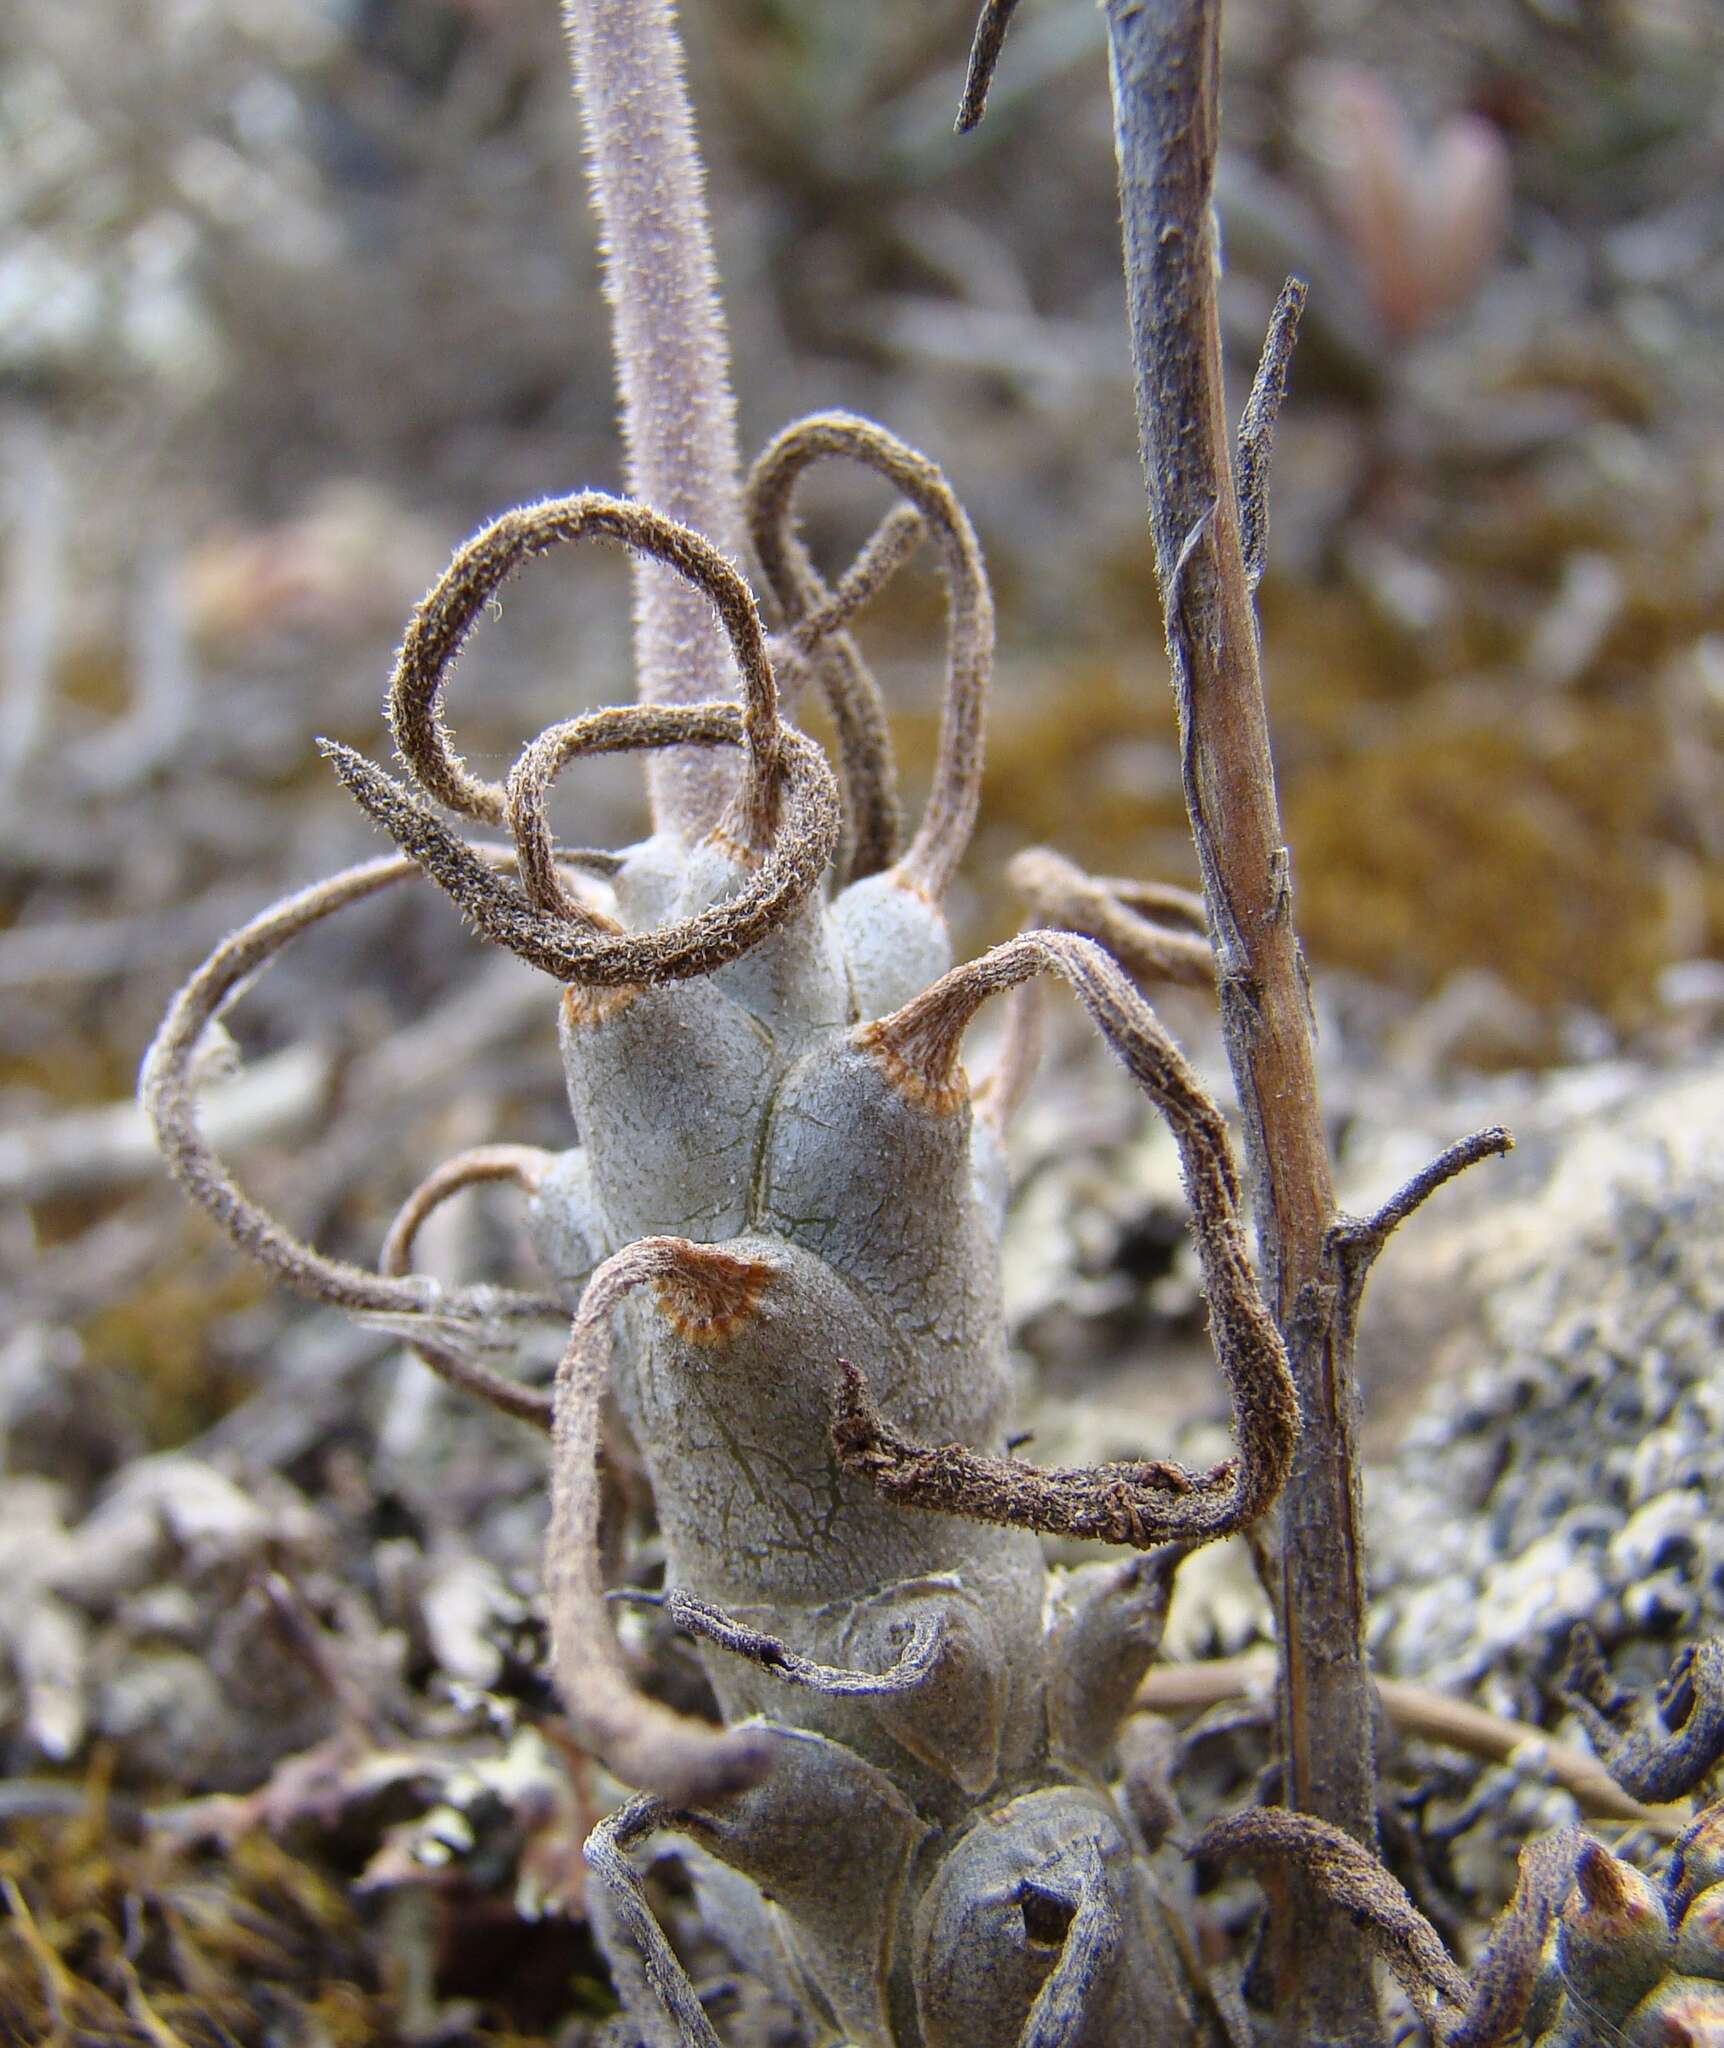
<point>1165,67</point>
<point>1257,427</point>
<point>164,678</point>
<point>1431,1716</point>
<point>990,40</point>
<point>87,1150</point>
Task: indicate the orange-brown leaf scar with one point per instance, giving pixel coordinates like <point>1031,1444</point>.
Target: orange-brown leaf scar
<point>584,1007</point>
<point>910,1076</point>
<point>712,1295</point>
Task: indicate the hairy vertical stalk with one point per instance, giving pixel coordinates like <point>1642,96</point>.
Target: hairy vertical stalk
<point>672,356</point>
<point>1164,63</point>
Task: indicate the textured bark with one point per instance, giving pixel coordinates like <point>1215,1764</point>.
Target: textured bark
<point>1164,61</point>
<point>672,356</point>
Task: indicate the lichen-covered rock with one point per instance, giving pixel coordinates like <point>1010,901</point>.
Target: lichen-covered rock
<point>1568,1478</point>
<point>1564,1459</point>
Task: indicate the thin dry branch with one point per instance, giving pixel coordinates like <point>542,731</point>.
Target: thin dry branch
<point>1431,1716</point>
<point>1165,72</point>
<point>33,585</point>
<point>990,40</point>
<point>1257,427</point>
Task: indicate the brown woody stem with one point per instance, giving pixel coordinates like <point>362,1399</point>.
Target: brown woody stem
<point>1164,65</point>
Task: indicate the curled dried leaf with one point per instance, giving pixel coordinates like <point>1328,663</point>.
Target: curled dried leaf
<point>1659,1755</point>
<point>521,1165</point>
<point>644,1742</point>
<point>440,625</point>
<point>1282,1846</point>
<point>1131,924</point>
<point>816,641</point>
<point>1138,1502</point>
<point>938,845</point>
<point>582,952</point>
<point>167,1091</point>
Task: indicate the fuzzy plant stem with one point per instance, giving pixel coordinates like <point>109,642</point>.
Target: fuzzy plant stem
<point>1164,64</point>
<point>673,361</point>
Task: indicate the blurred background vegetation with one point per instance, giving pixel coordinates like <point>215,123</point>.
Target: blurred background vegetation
<point>294,293</point>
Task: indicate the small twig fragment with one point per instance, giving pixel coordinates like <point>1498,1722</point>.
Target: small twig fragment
<point>1257,427</point>
<point>1357,1241</point>
<point>711,1624</point>
<point>990,40</point>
